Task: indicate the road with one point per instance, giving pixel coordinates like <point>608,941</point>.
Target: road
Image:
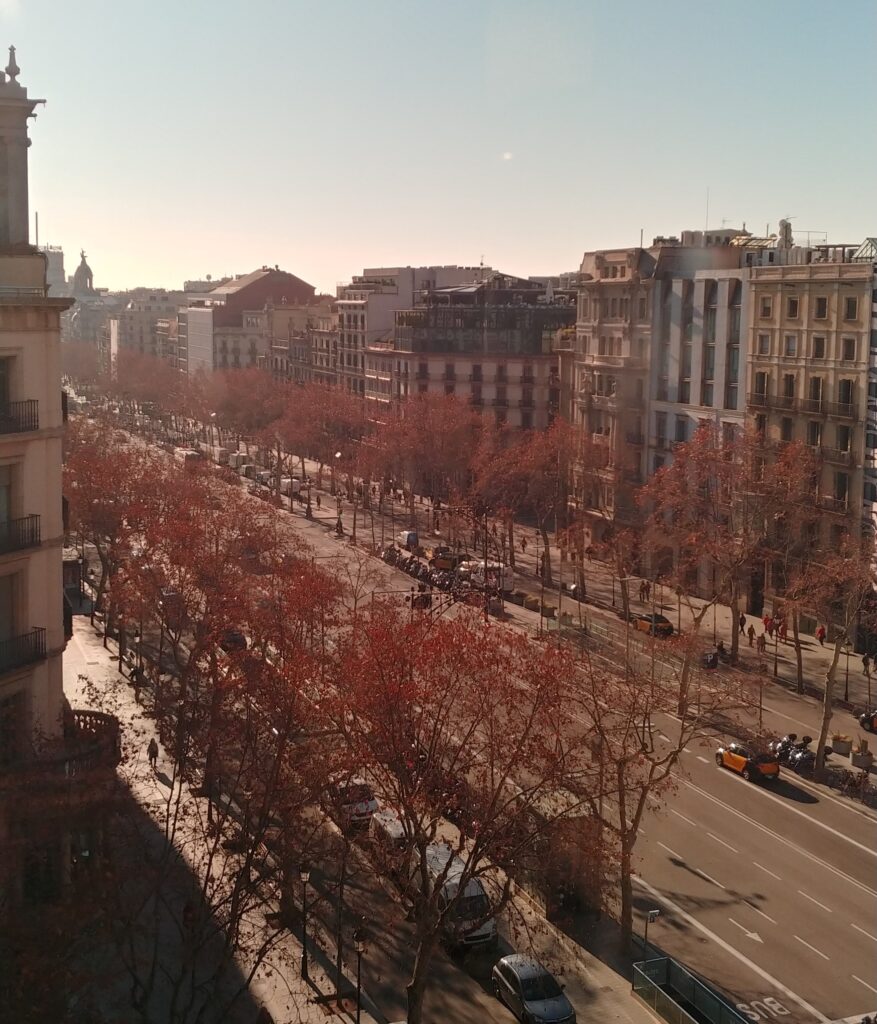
<point>771,894</point>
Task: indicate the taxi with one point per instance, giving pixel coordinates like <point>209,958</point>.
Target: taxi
<point>746,762</point>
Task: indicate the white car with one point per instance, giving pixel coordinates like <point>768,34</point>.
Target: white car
<point>351,802</point>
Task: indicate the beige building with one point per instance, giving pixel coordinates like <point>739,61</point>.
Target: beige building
<point>49,754</point>
<point>810,338</point>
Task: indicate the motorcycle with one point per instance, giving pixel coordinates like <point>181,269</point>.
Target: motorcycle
<point>782,749</point>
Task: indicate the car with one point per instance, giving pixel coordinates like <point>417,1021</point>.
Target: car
<point>351,802</point>
<point>531,991</point>
<point>233,640</point>
<point>754,767</point>
<point>654,625</point>
<point>868,721</point>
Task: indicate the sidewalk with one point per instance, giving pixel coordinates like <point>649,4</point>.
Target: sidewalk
<point>90,671</point>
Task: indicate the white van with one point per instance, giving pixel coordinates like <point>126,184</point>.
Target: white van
<point>465,927</point>
<point>497,573</point>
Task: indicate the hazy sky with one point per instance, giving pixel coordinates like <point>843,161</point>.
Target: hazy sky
<point>187,137</point>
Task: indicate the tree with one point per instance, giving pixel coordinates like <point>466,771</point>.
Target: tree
<point>640,721</point>
<point>709,512</point>
<point>839,586</point>
<point>455,719</point>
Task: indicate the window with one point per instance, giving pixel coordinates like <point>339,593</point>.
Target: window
<point>526,419</point>
<point>764,344</point>
<point>845,392</point>
<point>821,311</point>
<point>841,487</point>
<point>851,308</point>
<point>761,379</point>
<point>786,428</point>
<point>706,393</point>
<point>844,438</point>
<point>790,347</point>
<point>681,428</point>
<point>642,307</point>
<point>660,428</point>
<point>870,493</point>
<point>819,348</point>
<point>450,371</point>
<point>789,385</point>
<point>765,307</point>
<point>684,391</point>
<point>792,307</point>
<point>476,371</point>
<point>657,463</point>
<point>871,439</point>
<point>613,307</point>
<point>814,433</point>
<point>848,348</point>
<point>761,424</point>
<point>450,388</point>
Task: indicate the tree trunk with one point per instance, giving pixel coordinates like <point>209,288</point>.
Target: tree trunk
<point>511,536</point>
<point>415,990</point>
<point>626,886</point>
<point>735,622</point>
<point>827,704</point>
<point>546,553</point>
<point>799,660</point>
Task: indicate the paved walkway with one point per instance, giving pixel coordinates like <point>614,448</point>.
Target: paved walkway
<point>91,678</point>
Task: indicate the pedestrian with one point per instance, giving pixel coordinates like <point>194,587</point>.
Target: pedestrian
<point>374,490</point>
<point>318,501</point>
<point>783,627</point>
<point>751,633</point>
<point>523,545</point>
<point>742,621</point>
<point>761,643</point>
<point>765,619</point>
<point>152,753</point>
<point>769,626</point>
<point>866,665</point>
<point>648,590</point>
<point>820,635</point>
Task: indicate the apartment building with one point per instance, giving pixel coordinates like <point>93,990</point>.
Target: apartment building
<point>302,342</point>
<point>811,337</point>
<point>137,321</point>
<point>490,343</point>
<point>43,744</point>
<point>366,310</point>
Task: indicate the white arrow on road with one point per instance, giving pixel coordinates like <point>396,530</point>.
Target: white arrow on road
<point>750,935</point>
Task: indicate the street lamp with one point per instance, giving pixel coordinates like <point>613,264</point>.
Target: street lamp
<point>359,946</point>
<point>304,873</point>
<point>651,915</point>
<point>847,651</point>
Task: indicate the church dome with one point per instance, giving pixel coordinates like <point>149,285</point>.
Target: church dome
<point>83,279</point>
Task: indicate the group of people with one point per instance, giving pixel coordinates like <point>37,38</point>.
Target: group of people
<point>645,590</point>
<point>772,624</point>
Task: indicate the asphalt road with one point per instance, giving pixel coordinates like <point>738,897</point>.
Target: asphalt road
<point>769,893</point>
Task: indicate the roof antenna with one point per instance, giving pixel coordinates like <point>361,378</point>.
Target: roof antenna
<point>706,225</point>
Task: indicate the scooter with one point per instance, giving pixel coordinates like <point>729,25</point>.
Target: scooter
<point>781,749</point>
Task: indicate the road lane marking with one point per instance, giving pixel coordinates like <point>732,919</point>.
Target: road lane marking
<point>749,934</point>
<point>682,816</point>
<point>862,930</point>
<point>763,868</point>
<point>700,757</point>
<point>722,841</point>
<point>728,948</point>
<point>818,904</point>
<point>666,739</point>
<point>752,906</point>
<point>686,750</point>
<point>855,977</point>
<point>780,839</point>
<point>815,950</point>
<point>672,853</point>
<point>709,878</point>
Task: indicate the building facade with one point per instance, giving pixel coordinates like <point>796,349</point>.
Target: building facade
<point>490,343</point>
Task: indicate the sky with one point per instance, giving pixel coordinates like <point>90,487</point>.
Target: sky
<point>183,137</point>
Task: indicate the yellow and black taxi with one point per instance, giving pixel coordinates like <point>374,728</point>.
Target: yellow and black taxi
<point>654,625</point>
<point>753,766</point>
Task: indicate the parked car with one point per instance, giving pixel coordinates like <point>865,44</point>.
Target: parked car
<point>531,991</point>
<point>351,802</point>
<point>868,720</point>
<point>469,922</point>
<point>752,766</point>
<point>654,625</point>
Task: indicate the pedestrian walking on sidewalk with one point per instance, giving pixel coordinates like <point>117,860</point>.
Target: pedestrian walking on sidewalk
<point>318,501</point>
<point>751,633</point>
<point>742,621</point>
<point>820,635</point>
<point>648,590</point>
<point>783,627</point>
<point>152,753</point>
<point>761,643</point>
<point>523,545</point>
<point>770,626</point>
<point>866,665</point>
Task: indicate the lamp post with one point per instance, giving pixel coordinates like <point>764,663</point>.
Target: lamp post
<point>304,873</point>
<point>847,650</point>
<point>776,651</point>
<point>359,946</point>
<point>651,915</point>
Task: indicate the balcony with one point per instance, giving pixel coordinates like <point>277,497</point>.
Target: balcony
<point>527,403</point>
<point>500,403</point>
<point>837,455</point>
<point>421,375</point>
<point>633,438</point>
<point>611,403</point>
<point>19,417</point>
<point>831,504</point>
<point>449,378</point>
<point>18,534</point>
<point>527,379</point>
<point>784,402</point>
<point>758,400</point>
<point>25,649</point>
<point>661,444</point>
<point>843,410</point>
<point>812,405</point>
<point>91,743</point>
<point>476,378</point>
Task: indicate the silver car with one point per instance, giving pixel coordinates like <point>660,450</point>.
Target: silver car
<point>531,992</point>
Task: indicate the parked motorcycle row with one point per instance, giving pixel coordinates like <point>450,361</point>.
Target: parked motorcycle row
<point>445,580</point>
<point>796,754</point>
